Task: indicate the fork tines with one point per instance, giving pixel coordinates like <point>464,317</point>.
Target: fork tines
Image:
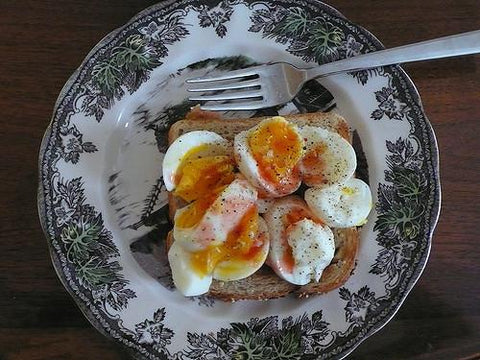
<point>240,88</point>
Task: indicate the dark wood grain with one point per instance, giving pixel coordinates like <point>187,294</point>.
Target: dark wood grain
<point>42,43</point>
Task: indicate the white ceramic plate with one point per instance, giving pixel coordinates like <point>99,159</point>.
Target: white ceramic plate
<point>103,204</point>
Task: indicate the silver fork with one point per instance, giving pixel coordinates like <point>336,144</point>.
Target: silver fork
<point>277,83</point>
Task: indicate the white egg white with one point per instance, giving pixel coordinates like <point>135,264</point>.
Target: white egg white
<point>339,159</point>
<point>341,205</point>
<point>313,248</point>
<point>186,280</point>
<point>245,161</point>
<point>311,244</point>
<point>216,145</point>
<point>264,204</point>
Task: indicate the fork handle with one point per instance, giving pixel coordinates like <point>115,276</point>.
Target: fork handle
<point>448,46</point>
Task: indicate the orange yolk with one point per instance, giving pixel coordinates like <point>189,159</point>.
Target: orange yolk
<point>313,164</point>
<point>289,220</point>
<point>241,244</point>
<point>277,148</point>
<point>194,153</point>
<point>194,213</point>
<point>199,176</point>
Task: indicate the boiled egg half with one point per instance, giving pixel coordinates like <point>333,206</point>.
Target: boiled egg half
<point>222,238</point>
<point>268,156</point>
<point>329,158</point>
<point>341,205</point>
<point>301,246</point>
<point>197,162</point>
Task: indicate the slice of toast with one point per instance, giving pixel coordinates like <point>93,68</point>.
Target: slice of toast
<point>265,284</point>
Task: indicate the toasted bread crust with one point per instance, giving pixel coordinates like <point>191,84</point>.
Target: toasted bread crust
<point>229,128</point>
<point>265,284</point>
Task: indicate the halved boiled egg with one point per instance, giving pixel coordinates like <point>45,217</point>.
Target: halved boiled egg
<point>196,162</point>
<point>220,237</point>
<point>341,205</point>
<point>208,220</point>
<point>328,159</point>
<point>268,155</point>
<point>241,256</point>
<point>301,247</point>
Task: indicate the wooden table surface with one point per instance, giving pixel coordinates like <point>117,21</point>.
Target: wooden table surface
<point>42,43</point>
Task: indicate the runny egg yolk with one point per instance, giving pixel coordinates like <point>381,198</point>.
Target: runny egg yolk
<point>289,220</point>
<point>199,176</point>
<point>194,153</point>
<point>276,147</point>
<point>313,164</point>
<point>241,244</point>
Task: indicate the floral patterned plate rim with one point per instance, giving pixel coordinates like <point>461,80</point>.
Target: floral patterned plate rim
<point>103,206</point>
